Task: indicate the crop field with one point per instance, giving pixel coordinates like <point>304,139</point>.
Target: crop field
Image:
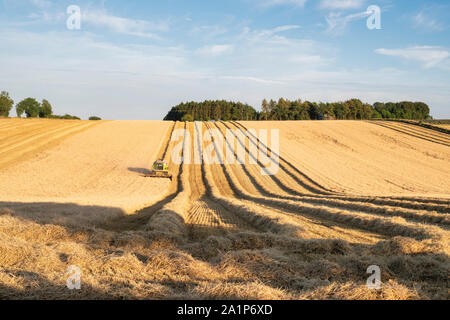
<point>443,126</point>
<point>347,195</point>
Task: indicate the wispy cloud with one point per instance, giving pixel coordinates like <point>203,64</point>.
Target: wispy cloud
<point>341,4</point>
<point>140,28</point>
<point>253,79</point>
<point>252,54</point>
<point>215,50</point>
<point>100,18</point>
<point>278,30</point>
<point>262,53</point>
<point>41,3</point>
<point>428,56</point>
<point>425,22</point>
<point>209,31</point>
<point>270,3</point>
<point>337,22</point>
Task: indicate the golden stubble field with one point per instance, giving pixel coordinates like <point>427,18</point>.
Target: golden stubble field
<point>348,195</point>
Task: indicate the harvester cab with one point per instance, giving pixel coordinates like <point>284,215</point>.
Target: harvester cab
<point>160,169</point>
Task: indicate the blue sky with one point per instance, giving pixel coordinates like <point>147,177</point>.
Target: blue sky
<point>135,59</point>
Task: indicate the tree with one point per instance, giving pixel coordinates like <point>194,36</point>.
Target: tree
<point>19,110</point>
<point>376,115</point>
<point>30,106</point>
<point>187,118</point>
<point>265,108</point>
<point>272,107</point>
<point>6,104</point>
<point>355,109</point>
<point>208,110</point>
<point>327,109</point>
<point>95,118</point>
<point>313,110</point>
<point>341,111</point>
<point>65,117</point>
<point>46,109</point>
<point>70,117</point>
<point>284,109</point>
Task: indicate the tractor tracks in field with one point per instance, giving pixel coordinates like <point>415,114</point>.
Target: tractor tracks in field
<point>187,210</point>
<point>371,221</point>
<point>353,204</point>
<point>206,216</point>
<point>218,199</point>
<point>192,213</point>
<point>164,150</point>
<point>300,177</point>
<point>139,219</point>
<point>429,133</point>
<point>278,217</point>
<point>438,205</point>
<point>413,132</point>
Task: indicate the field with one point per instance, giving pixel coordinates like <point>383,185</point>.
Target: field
<point>348,195</point>
<point>443,126</point>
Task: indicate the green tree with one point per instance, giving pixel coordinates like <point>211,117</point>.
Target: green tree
<point>313,110</point>
<point>272,108</point>
<point>341,110</point>
<point>284,109</point>
<point>207,110</point>
<point>376,115</point>
<point>281,111</point>
<point>95,118</point>
<point>187,118</point>
<point>328,111</point>
<point>367,111</point>
<point>45,110</point>
<point>30,106</point>
<point>6,104</point>
<point>265,108</point>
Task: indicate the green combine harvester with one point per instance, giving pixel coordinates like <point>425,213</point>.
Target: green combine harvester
<point>160,169</point>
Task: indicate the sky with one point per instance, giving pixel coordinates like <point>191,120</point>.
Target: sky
<point>136,59</point>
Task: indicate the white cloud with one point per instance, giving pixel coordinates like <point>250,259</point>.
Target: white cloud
<point>41,3</point>
<point>338,22</point>
<point>341,4</point>
<point>143,77</point>
<point>140,28</point>
<point>215,50</point>
<point>428,56</point>
<point>425,22</point>
<point>278,30</point>
<point>250,64</point>
<point>209,31</point>
<point>252,79</point>
<point>308,59</point>
<point>265,52</point>
<point>297,3</point>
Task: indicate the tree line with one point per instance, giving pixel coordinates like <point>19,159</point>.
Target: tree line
<point>285,109</point>
<point>31,108</point>
<point>353,109</point>
<point>212,110</point>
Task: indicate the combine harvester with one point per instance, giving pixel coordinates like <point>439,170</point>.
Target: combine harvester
<point>160,169</point>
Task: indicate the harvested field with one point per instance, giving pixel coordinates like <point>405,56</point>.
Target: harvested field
<point>373,159</point>
<point>347,195</point>
<point>100,169</point>
<point>22,139</point>
<point>443,126</point>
